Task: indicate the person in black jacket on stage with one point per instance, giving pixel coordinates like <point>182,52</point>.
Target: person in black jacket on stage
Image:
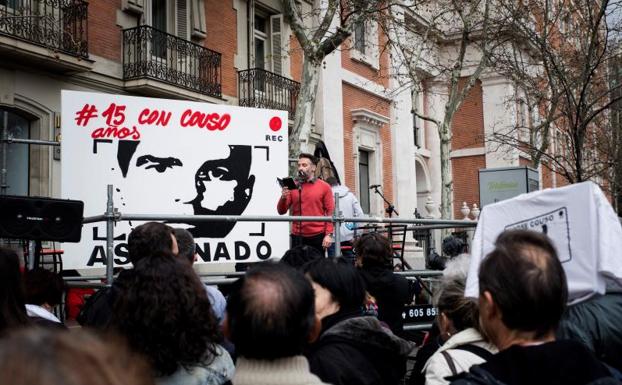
<point>391,291</point>
<point>351,348</point>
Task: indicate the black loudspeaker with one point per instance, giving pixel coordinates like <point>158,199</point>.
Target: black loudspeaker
<point>43,219</point>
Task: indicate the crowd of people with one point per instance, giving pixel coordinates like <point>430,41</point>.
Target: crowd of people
<point>306,319</point>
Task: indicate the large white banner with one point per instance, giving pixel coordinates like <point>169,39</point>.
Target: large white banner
<point>174,157</point>
<point>580,222</point>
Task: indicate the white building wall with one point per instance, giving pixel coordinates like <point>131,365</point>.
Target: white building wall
<point>329,109</point>
<point>437,98</point>
<point>403,152</point>
<point>499,117</point>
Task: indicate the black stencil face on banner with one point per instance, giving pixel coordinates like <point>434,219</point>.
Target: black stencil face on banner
<point>125,152</point>
<point>223,187</point>
<point>159,164</point>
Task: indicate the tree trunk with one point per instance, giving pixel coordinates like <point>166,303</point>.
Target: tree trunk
<point>446,178</point>
<point>578,151</point>
<point>618,162</point>
<point>305,106</point>
<point>578,164</point>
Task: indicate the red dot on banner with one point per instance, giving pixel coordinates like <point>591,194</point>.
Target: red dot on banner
<point>275,123</point>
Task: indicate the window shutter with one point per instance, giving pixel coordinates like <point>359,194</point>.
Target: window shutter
<point>198,28</point>
<point>182,19</point>
<point>276,36</point>
<point>359,36</point>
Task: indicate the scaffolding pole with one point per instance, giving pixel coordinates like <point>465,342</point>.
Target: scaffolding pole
<point>337,220</point>
<point>110,218</point>
<point>4,134</point>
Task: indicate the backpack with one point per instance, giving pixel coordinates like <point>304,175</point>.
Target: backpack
<point>478,351</point>
<point>325,167</point>
<point>324,170</point>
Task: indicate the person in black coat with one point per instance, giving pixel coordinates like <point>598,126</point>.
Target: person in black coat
<point>391,291</point>
<point>597,323</point>
<point>351,348</point>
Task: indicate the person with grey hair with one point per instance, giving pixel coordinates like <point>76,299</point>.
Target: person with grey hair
<point>457,266</point>
<point>187,251</point>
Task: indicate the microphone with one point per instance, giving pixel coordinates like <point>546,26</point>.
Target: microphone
<point>302,177</point>
<point>373,186</point>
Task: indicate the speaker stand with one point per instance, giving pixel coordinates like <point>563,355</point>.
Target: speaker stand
<point>34,254</point>
<point>41,257</point>
<point>32,250</point>
<point>37,258</point>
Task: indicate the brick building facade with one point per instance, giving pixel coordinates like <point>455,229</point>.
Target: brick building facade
<point>367,128</point>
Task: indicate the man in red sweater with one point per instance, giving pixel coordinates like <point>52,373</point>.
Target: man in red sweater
<point>317,199</point>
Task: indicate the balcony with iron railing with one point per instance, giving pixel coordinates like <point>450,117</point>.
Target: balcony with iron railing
<point>264,89</point>
<point>152,55</point>
<point>55,31</point>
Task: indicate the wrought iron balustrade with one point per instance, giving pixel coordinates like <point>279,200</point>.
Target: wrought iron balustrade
<point>149,53</point>
<point>263,89</point>
<point>59,25</point>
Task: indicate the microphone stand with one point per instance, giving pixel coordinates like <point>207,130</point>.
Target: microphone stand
<point>300,179</point>
<point>300,182</point>
<point>389,210</point>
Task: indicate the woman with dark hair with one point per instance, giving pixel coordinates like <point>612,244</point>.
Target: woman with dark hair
<point>165,314</point>
<point>458,320</point>
<point>392,292</point>
<point>143,241</point>
<point>351,348</point>
<point>12,303</point>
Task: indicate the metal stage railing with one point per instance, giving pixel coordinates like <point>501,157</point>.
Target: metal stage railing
<point>112,215</point>
<point>225,278</point>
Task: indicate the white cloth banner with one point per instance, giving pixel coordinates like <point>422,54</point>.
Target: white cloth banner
<point>579,220</point>
<point>174,157</point>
